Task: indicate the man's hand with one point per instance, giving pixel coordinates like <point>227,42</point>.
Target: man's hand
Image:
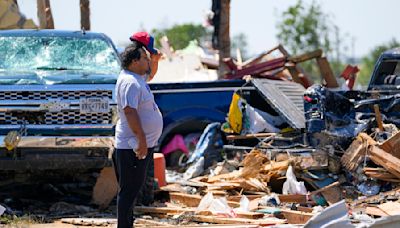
<point>155,57</point>
<point>141,152</point>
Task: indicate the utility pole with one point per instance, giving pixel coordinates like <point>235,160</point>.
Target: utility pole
<point>44,14</point>
<point>221,39</point>
<point>85,14</point>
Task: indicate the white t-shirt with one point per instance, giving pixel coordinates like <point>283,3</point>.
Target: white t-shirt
<point>132,90</point>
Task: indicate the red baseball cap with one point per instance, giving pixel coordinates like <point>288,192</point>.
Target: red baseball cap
<point>146,40</point>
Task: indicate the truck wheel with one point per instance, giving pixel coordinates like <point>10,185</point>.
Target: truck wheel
<point>176,159</point>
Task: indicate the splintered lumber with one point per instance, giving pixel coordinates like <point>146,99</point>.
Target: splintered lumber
<point>386,160</point>
<point>185,199</point>
<point>172,188</point>
<point>334,184</point>
<point>292,198</point>
<point>306,56</point>
<point>223,186</point>
<point>296,217</point>
<point>238,198</point>
<point>219,220</point>
<point>327,72</point>
<point>252,163</point>
<point>356,152</point>
<point>304,209</point>
<point>390,208</point>
<point>392,145</point>
<point>375,211</point>
<point>276,166</point>
<point>225,176</point>
<point>381,174</point>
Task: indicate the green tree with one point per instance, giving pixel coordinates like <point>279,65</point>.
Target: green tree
<point>179,36</point>
<point>368,62</point>
<point>305,28</point>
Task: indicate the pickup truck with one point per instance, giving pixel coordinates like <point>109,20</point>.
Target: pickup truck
<point>58,110</point>
<point>336,117</point>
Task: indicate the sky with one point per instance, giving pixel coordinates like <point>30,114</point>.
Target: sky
<point>363,24</point>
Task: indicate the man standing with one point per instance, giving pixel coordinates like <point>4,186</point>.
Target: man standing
<point>140,122</point>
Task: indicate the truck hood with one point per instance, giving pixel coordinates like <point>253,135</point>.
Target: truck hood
<point>56,77</point>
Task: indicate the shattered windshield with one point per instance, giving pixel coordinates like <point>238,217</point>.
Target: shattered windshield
<point>57,53</point>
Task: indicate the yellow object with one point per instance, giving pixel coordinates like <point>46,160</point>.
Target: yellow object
<point>235,114</point>
<point>12,139</point>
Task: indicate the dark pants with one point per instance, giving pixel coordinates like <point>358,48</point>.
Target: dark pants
<point>131,174</point>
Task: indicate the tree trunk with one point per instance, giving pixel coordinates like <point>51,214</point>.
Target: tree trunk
<point>44,14</point>
<point>85,15</point>
<point>224,42</point>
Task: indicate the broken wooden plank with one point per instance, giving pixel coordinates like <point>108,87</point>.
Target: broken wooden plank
<point>276,166</point>
<point>306,56</point>
<point>381,174</point>
<point>185,199</point>
<point>219,220</point>
<point>225,176</point>
<point>386,160</point>
<point>356,152</point>
<point>296,217</point>
<point>375,211</point>
<point>304,209</point>
<point>238,198</point>
<point>390,208</point>
<point>392,145</point>
<point>292,198</point>
<point>334,184</point>
<point>327,72</point>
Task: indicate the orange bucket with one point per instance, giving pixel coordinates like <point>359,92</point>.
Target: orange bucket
<point>159,168</point>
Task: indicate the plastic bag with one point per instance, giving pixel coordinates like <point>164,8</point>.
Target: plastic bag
<point>195,169</point>
<point>257,123</point>
<point>244,205</point>
<point>205,202</point>
<point>291,185</point>
<point>220,207</point>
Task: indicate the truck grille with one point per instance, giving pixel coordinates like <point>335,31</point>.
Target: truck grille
<point>63,117</point>
<point>44,95</point>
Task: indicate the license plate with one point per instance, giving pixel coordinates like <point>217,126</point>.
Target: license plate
<point>94,105</point>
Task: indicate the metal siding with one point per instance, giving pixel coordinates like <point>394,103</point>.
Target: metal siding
<point>285,97</point>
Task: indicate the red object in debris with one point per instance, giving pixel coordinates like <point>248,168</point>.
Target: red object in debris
<point>350,73</point>
<point>257,68</point>
<point>159,169</point>
<point>308,99</point>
